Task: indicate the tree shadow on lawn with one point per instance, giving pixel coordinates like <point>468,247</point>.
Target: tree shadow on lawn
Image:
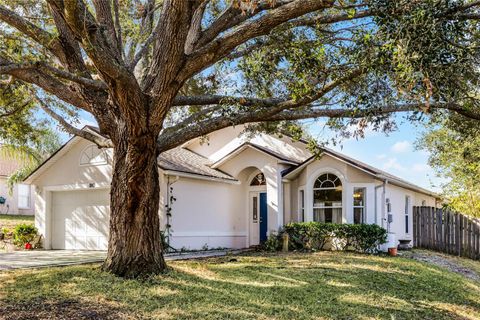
<point>294,286</point>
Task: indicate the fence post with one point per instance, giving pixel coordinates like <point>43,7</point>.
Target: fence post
<point>439,229</point>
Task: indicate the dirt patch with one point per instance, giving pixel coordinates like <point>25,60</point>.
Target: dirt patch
<point>443,261</point>
<point>61,310</point>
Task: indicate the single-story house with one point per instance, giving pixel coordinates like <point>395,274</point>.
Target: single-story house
<point>20,199</point>
<point>231,191</point>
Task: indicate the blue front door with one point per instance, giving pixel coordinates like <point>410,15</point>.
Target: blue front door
<point>263,217</point>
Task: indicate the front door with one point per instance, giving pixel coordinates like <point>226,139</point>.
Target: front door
<point>258,217</point>
<point>263,216</point>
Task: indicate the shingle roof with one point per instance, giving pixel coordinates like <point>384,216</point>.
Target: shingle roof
<point>7,167</point>
<point>183,160</point>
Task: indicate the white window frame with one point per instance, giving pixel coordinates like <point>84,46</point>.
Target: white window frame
<point>328,207</point>
<point>20,196</point>
<point>301,205</point>
<point>408,204</point>
<point>364,206</point>
<point>90,163</point>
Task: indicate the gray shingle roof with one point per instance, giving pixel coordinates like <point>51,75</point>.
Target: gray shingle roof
<point>183,160</point>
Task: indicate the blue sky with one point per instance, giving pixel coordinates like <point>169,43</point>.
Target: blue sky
<point>394,153</point>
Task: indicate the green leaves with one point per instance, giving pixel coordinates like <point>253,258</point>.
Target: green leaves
<point>454,147</point>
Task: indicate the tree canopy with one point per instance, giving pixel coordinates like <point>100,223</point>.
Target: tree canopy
<point>248,61</point>
<point>156,74</point>
<point>454,147</point>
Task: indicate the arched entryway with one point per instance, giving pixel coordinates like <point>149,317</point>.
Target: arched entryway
<point>257,208</point>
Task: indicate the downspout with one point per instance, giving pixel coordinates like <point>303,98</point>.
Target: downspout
<point>384,203</point>
<point>383,185</point>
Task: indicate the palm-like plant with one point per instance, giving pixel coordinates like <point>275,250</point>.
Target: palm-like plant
<point>30,155</point>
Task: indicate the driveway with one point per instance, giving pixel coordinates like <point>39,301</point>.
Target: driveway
<point>52,258</point>
<point>48,258</point>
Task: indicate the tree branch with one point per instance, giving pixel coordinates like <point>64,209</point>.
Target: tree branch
<point>40,36</point>
<point>90,83</point>
<point>45,81</point>
<point>232,17</point>
<point>195,28</point>
<point>97,139</point>
<point>174,136</point>
<point>223,45</point>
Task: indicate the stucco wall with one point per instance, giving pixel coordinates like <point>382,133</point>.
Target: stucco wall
<point>12,200</point>
<point>68,171</point>
<point>272,171</point>
<point>396,195</point>
<point>222,142</point>
<point>207,213</point>
<point>351,177</point>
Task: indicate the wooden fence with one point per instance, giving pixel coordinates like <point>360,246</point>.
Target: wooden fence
<point>446,231</point>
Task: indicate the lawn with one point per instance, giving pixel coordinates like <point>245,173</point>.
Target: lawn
<point>324,285</point>
<point>9,221</point>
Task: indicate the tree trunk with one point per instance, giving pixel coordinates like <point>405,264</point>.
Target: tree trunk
<point>134,246</point>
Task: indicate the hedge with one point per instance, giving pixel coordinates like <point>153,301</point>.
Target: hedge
<point>310,236</point>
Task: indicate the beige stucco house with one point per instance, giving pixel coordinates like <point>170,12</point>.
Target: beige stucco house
<point>231,191</point>
<point>20,200</point>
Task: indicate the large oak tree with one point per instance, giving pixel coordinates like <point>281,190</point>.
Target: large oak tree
<point>156,74</point>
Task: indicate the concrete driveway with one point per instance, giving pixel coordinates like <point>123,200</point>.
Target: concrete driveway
<point>55,258</point>
<point>48,258</point>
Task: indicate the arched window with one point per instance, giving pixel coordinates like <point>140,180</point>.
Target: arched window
<point>92,155</point>
<point>327,199</point>
<point>258,180</point>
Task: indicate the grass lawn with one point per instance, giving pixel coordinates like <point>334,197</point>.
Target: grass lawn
<point>9,221</point>
<point>324,285</point>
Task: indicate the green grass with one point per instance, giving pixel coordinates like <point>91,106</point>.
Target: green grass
<point>324,285</point>
<point>9,221</point>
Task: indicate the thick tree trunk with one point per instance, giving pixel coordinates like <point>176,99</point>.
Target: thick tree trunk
<point>134,247</point>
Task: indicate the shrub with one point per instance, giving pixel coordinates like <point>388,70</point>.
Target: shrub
<point>314,236</point>
<point>24,233</point>
<point>273,242</point>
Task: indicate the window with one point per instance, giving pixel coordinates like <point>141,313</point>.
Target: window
<point>359,205</point>
<point>255,210</point>
<point>23,196</point>
<point>327,199</point>
<point>92,155</point>
<point>301,204</point>
<point>258,180</point>
<point>407,213</point>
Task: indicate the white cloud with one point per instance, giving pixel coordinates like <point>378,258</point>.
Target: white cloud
<point>381,156</point>
<point>392,163</point>
<point>421,168</point>
<point>401,147</point>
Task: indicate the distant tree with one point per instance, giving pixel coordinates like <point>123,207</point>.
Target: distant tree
<point>156,74</point>
<point>454,149</point>
<point>30,154</point>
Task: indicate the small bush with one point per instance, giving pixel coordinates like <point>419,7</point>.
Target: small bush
<point>272,243</point>
<point>24,233</point>
<point>312,236</point>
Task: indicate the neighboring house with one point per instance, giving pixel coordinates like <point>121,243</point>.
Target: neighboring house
<point>20,201</point>
<point>230,192</point>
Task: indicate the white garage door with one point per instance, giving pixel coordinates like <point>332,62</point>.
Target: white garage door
<point>80,219</point>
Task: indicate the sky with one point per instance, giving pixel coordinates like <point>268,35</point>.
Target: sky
<point>395,153</point>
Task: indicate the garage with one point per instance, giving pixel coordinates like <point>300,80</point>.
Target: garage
<point>80,219</point>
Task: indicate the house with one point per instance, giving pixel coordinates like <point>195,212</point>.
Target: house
<point>231,191</point>
<point>20,200</point>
